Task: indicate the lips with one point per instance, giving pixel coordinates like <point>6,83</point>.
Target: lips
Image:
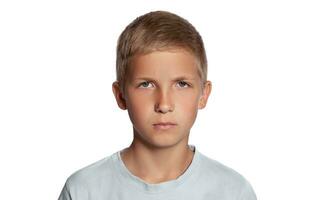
<point>164,125</point>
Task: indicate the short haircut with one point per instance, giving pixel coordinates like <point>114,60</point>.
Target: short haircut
<point>158,31</point>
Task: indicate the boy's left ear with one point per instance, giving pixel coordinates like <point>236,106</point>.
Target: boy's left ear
<point>205,95</point>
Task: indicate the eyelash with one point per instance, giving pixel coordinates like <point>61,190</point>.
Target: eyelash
<point>188,85</point>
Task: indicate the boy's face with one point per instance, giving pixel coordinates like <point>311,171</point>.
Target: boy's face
<point>161,87</point>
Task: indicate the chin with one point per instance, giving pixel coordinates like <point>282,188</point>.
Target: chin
<point>165,142</point>
<point>161,139</point>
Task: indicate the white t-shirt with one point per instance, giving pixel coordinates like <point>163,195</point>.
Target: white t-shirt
<point>204,179</point>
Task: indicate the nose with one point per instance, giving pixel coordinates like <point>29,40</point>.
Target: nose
<point>164,102</point>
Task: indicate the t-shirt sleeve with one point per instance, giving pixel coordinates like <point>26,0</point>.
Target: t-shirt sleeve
<point>247,192</point>
<point>65,194</point>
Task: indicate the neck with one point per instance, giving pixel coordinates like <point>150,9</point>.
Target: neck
<point>155,165</point>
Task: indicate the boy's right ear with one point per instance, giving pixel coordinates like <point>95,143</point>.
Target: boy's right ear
<point>119,95</point>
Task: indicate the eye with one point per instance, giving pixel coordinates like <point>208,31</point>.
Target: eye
<point>144,84</point>
<point>183,83</point>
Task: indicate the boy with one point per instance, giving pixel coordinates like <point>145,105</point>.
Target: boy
<point>161,80</point>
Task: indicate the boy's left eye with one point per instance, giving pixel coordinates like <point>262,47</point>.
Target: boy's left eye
<point>183,83</point>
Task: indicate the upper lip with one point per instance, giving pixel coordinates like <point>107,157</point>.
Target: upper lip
<point>164,123</point>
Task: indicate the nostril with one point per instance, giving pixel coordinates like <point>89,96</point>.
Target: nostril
<point>163,108</point>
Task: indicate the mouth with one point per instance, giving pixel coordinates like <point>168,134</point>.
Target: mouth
<point>164,125</point>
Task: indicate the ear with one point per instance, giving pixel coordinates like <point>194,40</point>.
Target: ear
<point>205,95</point>
<point>119,95</point>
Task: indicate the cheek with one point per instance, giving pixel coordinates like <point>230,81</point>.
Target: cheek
<point>139,106</point>
<point>136,99</point>
<point>188,104</point>
<point>188,99</point>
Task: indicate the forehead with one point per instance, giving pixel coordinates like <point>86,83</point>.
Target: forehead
<point>164,64</point>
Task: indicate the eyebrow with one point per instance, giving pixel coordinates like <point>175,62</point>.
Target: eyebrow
<point>175,79</point>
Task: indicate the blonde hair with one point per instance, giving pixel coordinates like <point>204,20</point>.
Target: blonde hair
<point>157,31</point>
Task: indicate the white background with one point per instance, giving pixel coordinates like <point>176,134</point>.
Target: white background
<point>266,116</point>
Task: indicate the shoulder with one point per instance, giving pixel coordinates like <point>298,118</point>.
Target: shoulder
<point>91,174</point>
<point>217,169</point>
<point>226,178</point>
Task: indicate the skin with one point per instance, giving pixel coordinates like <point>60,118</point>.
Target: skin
<point>152,95</point>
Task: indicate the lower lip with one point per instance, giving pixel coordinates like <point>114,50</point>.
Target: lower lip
<point>163,127</point>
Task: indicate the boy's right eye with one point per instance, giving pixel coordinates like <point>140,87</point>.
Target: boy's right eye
<point>144,84</point>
